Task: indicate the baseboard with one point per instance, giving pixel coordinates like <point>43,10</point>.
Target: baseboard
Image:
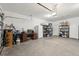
<point>74,38</point>
<point>63,37</point>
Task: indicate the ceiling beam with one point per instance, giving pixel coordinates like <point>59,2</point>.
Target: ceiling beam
<point>44,6</point>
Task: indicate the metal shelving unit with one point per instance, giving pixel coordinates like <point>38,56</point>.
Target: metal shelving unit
<point>64,30</point>
<point>1,27</point>
<point>1,31</point>
<point>47,30</point>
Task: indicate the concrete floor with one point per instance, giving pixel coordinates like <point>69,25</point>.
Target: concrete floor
<point>45,47</point>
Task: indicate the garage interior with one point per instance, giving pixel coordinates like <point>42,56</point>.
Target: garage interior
<point>39,29</point>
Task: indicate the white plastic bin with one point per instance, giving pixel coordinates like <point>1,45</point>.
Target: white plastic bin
<point>18,41</point>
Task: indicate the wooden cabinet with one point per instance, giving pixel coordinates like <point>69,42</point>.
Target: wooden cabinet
<point>34,36</point>
<point>23,37</point>
<point>9,38</point>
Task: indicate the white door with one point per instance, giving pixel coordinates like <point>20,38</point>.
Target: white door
<point>74,31</point>
<point>38,29</point>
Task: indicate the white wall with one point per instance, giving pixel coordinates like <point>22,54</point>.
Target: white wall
<point>25,22</point>
<point>74,22</point>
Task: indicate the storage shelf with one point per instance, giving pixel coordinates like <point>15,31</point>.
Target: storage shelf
<point>64,31</point>
<point>47,30</point>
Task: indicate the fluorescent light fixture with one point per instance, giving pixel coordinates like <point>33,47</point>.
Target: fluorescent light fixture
<point>53,13</point>
<point>48,15</point>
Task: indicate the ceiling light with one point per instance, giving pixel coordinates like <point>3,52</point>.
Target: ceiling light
<point>53,14</point>
<point>48,15</point>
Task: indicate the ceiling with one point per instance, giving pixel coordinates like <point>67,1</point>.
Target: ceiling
<point>64,10</point>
